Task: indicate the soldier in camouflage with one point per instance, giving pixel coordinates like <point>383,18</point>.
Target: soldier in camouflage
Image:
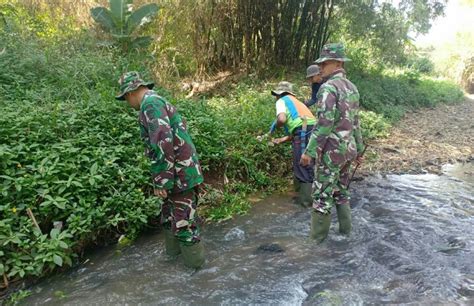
<point>336,142</point>
<point>175,167</point>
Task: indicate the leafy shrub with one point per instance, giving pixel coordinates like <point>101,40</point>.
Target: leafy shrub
<point>421,64</point>
<point>373,125</point>
<point>69,153</point>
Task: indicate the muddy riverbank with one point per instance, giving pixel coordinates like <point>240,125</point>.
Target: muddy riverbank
<point>425,140</point>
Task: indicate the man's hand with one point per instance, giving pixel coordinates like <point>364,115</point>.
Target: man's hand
<point>280,140</point>
<point>359,159</point>
<point>162,193</point>
<point>305,160</point>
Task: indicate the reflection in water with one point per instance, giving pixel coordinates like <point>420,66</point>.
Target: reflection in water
<point>412,242</point>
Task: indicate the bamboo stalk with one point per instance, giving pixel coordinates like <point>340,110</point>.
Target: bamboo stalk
<point>32,217</point>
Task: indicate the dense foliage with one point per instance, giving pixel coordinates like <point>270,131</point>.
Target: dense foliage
<point>68,153</point>
<point>71,154</point>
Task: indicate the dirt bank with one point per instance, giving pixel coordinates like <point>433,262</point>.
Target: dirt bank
<point>424,140</point>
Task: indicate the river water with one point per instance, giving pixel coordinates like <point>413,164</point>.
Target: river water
<point>412,242</point>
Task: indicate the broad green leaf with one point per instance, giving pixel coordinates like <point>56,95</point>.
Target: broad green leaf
<point>54,233</point>
<point>12,273</point>
<point>118,9</point>
<point>94,168</point>
<point>60,205</point>
<point>143,15</point>
<point>102,16</point>
<point>68,261</point>
<point>76,183</point>
<point>63,244</point>
<point>58,260</point>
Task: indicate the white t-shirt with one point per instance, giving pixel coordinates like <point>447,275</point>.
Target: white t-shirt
<point>280,107</point>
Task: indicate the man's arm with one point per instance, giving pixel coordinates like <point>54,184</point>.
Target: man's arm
<point>281,116</point>
<point>314,95</point>
<point>281,119</point>
<point>161,142</point>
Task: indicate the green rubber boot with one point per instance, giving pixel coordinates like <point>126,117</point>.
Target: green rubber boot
<point>172,247</point>
<point>320,224</point>
<point>306,196</point>
<point>296,184</point>
<point>345,219</point>
<point>296,187</point>
<point>193,254</point>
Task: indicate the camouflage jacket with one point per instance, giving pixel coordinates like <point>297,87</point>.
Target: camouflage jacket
<point>174,161</point>
<point>337,133</point>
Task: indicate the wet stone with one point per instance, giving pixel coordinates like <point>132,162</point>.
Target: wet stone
<point>234,234</point>
<point>270,248</point>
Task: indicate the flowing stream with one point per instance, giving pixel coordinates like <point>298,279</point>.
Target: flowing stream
<point>412,242</point>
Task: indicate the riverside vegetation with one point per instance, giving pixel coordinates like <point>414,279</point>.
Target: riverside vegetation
<point>72,170</point>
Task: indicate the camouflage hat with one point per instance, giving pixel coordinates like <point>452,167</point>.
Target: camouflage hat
<point>130,81</point>
<point>283,87</point>
<point>335,52</point>
<point>312,71</point>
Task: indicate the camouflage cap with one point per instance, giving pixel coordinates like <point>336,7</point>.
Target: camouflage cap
<point>283,87</point>
<point>334,51</point>
<point>130,81</point>
<point>312,71</point>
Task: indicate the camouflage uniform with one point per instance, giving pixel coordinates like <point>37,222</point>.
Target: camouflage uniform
<point>336,139</point>
<point>174,161</point>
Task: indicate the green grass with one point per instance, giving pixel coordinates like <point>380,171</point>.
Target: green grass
<point>393,93</point>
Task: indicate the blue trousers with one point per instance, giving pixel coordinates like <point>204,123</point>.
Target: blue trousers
<point>304,174</point>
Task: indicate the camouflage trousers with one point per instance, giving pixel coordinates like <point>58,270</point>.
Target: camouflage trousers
<point>179,214</point>
<point>330,185</point>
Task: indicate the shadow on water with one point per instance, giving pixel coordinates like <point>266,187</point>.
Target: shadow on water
<point>412,242</point>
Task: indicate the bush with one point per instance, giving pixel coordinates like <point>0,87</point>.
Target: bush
<point>373,125</point>
<point>72,154</point>
<point>421,64</point>
<point>69,153</point>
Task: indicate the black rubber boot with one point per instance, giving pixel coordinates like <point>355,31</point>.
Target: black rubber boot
<point>306,194</point>
<point>172,247</point>
<point>344,218</point>
<point>193,254</point>
<point>320,224</point>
